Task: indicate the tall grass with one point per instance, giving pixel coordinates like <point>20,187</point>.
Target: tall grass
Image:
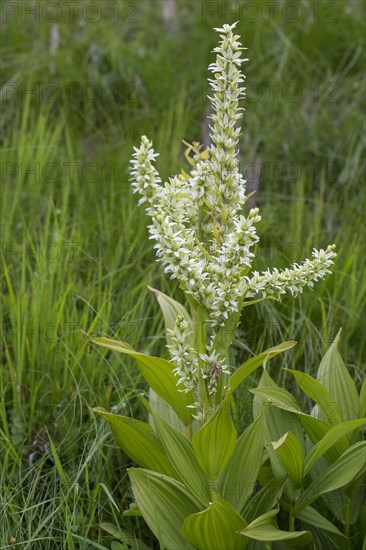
<point>75,249</point>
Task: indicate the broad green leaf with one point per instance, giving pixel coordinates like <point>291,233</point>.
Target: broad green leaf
<point>262,529</point>
<point>277,421</point>
<point>171,309</point>
<point>165,504</point>
<point>316,430</point>
<point>181,455</point>
<point>163,409</point>
<point>312,518</point>
<point>139,442</point>
<point>215,528</point>
<point>238,480</point>
<point>334,376</point>
<point>329,440</point>
<point>342,472</point>
<point>290,451</point>
<point>215,442</point>
<point>318,393</point>
<point>279,397</point>
<point>265,499</point>
<point>158,373</point>
<point>252,364</point>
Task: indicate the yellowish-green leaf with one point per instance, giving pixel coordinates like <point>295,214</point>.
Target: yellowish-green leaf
<point>247,368</point>
<point>334,376</point>
<point>165,504</point>
<point>279,397</point>
<point>263,529</point>
<point>238,480</point>
<point>318,393</point>
<point>158,373</point>
<point>214,443</point>
<point>163,409</point>
<point>290,451</point>
<point>311,517</point>
<point>265,499</point>
<point>139,442</point>
<point>181,455</point>
<point>337,475</point>
<point>329,440</point>
<point>171,309</point>
<point>215,528</point>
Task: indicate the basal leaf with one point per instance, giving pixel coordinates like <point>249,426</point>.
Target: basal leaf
<point>238,480</point>
<point>215,528</point>
<point>165,504</point>
<point>158,373</point>
<point>252,364</point>
<point>265,499</point>
<point>335,377</point>
<point>181,455</point>
<point>171,309</point>
<point>290,452</point>
<point>342,472</point>
<point>318,393</point>
<point>215,441</point>
<point>138,441</point>
<point>263,529</point>
<point>329,440</point>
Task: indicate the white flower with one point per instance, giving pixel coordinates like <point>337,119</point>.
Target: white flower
<point>202,236</point>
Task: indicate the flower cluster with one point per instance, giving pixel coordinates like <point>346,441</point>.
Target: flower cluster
<point>202,237</point>
<point>183,355</point>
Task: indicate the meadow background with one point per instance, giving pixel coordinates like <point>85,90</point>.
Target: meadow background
<point>81,82</point>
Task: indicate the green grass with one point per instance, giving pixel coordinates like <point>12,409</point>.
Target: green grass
<point>75,248</point>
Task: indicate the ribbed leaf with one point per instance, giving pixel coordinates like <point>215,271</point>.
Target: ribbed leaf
<point>277,420</point>
<point>158,373</point>
<point>163,409</point>
<point>337,475</point>
<point>262,529</point>
<point>265,499</point>
<point>279,397</point>
<point>312,518</point>
<point>316,430</point>
<point>215,528</point>
<point>170,309</point>
<point>164,504</point>
<point>318,393</point>
<point>334,376</point>
<point>252,364</point>
<point>214,443</point>
<point>181,455</point>
<point>290,451</point>
<point>238,480</point>
<point>329,440</point>
<point>139,442</point>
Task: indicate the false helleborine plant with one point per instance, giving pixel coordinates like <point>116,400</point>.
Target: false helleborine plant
<point>195,487</point>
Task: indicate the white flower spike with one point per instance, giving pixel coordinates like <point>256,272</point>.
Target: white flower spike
<point>202,236</point>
